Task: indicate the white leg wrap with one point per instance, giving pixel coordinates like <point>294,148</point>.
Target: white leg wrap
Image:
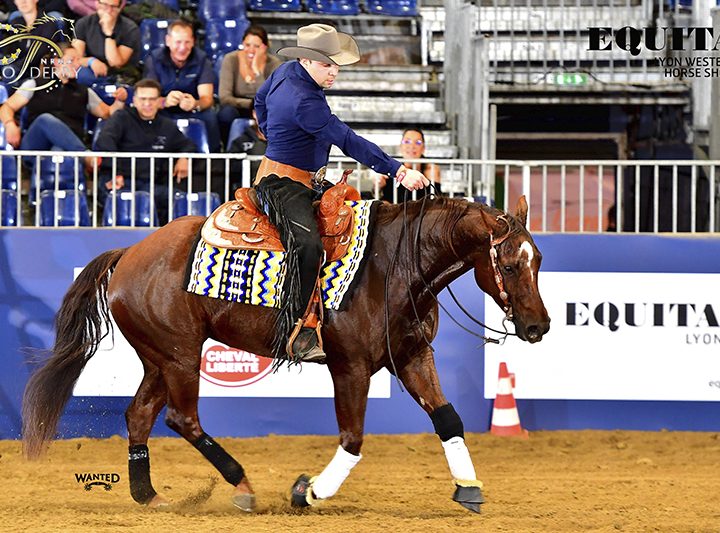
<point>335,473</point>
<point>458,459</point>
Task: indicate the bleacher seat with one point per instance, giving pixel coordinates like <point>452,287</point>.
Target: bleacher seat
<point>195,129</point>
<point>397,8</point>
<point>334,7</point>
<point>69,213</point>
<point>275,5</point>
<point>105,91</point>
<point>123,209</point>
<point>9,215</point>
<point>195,203</point>
<point>237,128</point>
<point>56,166</point>
<point>3,93</point>
<point>224,35</point>
<point>221,9</point>
<point>9,172</point>
<point>152,35</point>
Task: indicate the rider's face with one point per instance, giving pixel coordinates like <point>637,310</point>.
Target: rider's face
<point>324,74</point>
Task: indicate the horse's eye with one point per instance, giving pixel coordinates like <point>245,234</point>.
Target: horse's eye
<point>508,269</point>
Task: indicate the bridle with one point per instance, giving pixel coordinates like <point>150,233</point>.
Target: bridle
<point>494,244</point>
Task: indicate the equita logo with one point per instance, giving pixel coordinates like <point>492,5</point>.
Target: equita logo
<point>615,316</point>
<point>230,367</point>
<point>102,481</point>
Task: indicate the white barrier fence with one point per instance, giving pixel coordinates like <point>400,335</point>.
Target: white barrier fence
<point>42,189</point>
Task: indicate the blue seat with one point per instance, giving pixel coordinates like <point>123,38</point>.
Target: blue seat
<point>195,130</point>
<point>96,132</point>
<point>69,213</point>
<point>3,93</point>
<point>56,166</point>
<point>195,203</point>
<point>221,9</point>
<point>334,7</point>
<point>172,4</point>
<point>398,8</point>
<point>152,35</point>
<point>9,215</point>
<point>123,209</point>
<point>224,35</point>
<point>237,128</point>
<point>9,172</point>
<point>275,5</point>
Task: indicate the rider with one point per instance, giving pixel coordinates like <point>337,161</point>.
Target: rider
<point>294,115</point>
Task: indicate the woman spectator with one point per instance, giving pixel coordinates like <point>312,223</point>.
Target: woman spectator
<point>241,74</point>
<point>412,146</point>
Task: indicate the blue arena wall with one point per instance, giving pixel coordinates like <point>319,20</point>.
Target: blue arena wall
<point>36,268</point>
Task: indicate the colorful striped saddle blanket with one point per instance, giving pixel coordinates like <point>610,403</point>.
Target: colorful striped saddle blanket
<point>256,276</point>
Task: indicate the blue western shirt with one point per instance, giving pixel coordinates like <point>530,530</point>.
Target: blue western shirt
<point>197,70</point>
<point>294,116</point>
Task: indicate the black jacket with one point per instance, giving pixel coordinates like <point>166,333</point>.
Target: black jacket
<point>125,131</point>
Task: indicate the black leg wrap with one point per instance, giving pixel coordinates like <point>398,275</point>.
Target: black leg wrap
<point>139,471</point>
<point>447,423</point>
<point>220,459</point>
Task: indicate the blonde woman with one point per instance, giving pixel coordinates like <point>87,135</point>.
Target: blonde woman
<point>241,74</point>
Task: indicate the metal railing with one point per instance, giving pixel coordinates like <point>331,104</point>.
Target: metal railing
<point>564,196</point>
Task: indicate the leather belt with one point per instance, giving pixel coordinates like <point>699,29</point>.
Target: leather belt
<point>268,166</point>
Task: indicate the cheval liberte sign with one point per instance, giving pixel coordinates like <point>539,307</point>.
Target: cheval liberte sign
<point>115,370</point>
<point>618,336</point>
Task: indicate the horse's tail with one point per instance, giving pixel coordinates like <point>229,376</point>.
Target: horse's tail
<point>81,323</point>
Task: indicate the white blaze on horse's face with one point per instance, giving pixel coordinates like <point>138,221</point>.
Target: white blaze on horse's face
<point>527,249</point>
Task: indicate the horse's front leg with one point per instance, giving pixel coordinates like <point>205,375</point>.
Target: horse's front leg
<point>420,377</point>
<point>351,391</point>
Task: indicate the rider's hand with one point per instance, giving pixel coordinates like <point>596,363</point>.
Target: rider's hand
<point>411,179</point>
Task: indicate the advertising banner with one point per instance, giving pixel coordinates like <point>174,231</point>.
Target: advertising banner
<point>619,336</point>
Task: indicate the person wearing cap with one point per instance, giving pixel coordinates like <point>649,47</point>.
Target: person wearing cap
<point>294,115</point>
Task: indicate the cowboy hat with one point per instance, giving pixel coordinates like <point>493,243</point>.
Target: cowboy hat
<point>321,42</point>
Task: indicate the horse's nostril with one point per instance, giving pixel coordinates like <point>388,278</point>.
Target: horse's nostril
<point>533,333</point>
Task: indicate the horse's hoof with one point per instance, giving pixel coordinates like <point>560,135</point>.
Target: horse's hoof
<point>300,488</point>
<point>158,502</point>
<point>244,502</point>
<point>469,497</point>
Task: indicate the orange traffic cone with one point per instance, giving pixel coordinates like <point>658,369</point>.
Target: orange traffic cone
<point>505,418</point>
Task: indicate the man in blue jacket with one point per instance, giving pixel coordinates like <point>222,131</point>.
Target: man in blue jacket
<point>186,76</point>
<point>300,128</point>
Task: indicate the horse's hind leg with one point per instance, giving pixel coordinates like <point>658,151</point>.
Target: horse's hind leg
<point>182,417</point>
<point>420,377</point>
<point>140,417</point>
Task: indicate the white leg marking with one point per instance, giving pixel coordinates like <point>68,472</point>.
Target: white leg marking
<point>335,473</point>
<point>527,248</point>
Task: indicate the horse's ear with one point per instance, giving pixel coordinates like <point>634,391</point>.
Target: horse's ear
<point>521,210</point>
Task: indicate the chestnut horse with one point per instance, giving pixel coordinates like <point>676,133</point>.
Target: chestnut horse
<point>421,246</point>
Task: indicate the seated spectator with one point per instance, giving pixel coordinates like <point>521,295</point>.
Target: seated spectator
<point>242,73</point>
<point>412,146</point>
<point>251,142</point>
<point>109,44</point>
<point>82,8</point>
<point>56,116</point>
<point>186,77</point>
<point>30,20</point>
<point>54,8</point>
<point>142,129</point>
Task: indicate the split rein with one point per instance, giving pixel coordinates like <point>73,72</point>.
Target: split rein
<point>494,245</point>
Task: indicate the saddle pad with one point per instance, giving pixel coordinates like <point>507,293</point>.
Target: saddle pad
<point>256,277</point>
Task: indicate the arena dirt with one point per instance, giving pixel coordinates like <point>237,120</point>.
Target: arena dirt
<point>552,482</point>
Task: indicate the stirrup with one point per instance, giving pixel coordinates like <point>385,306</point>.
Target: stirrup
<point>305,344</point>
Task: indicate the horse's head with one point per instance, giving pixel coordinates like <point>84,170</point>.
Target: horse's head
<point>507,270</point>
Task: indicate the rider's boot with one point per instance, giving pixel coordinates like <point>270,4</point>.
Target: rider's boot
<point>305,342</point>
